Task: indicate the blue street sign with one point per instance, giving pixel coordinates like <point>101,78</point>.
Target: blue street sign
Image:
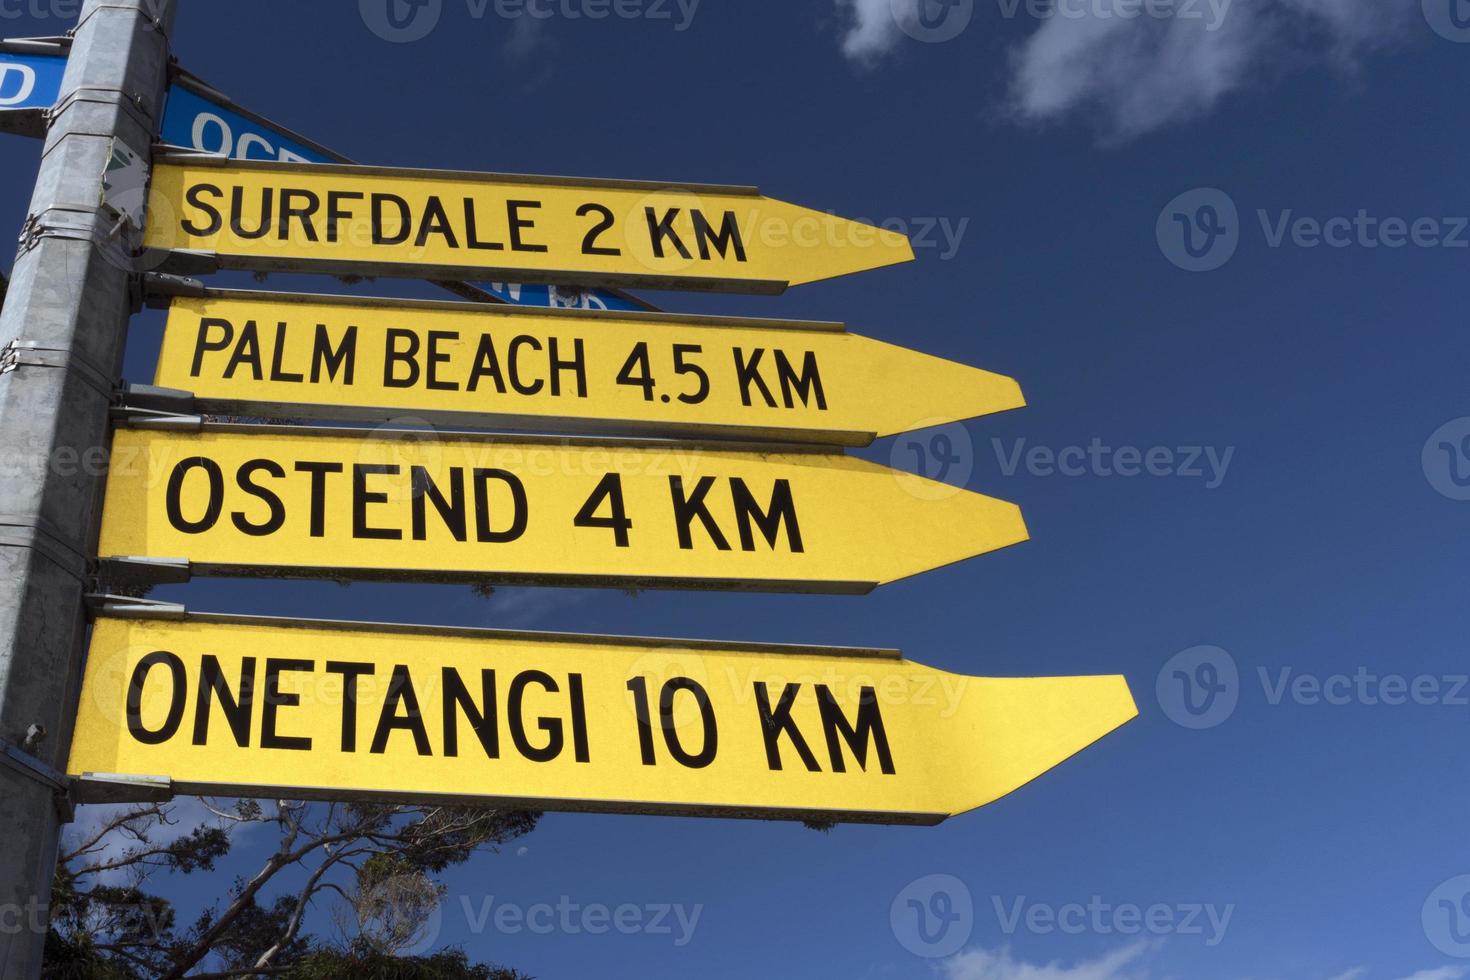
<point>30,81</point>
<point>199,119</point>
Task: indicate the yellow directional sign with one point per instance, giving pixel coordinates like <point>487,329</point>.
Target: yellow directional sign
<point>234,706</point>
<point>266,500</point>
<point>328,357</point>
<point>344,219</point>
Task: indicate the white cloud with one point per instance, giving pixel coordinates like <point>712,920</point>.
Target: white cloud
<point>980,964</point>
<point>871,30</point>
<point>1126,75</point>
<point>1127,963</point>
<point>1438,973</point>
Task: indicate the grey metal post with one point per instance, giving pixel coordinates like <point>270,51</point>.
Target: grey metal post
<point>63,326</point>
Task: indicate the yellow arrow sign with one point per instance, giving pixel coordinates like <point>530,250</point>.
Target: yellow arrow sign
<point>344,219</point>
<point>328,357</point>
<point>332,711</point>
<point>266,500</point>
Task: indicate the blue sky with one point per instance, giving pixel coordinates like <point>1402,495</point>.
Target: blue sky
<point>1304,387</point>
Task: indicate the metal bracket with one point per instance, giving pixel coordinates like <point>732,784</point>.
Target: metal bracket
<point>100,787</point>
<point>136,400</point>
<point>37,534</point>
<point>159,288</point>
<point>164,417</point>
<point>117,605</point>
<point>24,122</point>
<point>22,763</point>
<point>134,570</point>
<point>21,353</point>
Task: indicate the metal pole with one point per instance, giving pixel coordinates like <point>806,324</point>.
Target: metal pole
<point>65,319</point>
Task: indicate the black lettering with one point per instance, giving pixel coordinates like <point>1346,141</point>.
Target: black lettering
<point>515,716</point>
<point>245,478</point>
<point>605,222</point>
<point>361,498</point>
<point>237,210</point>
<point>451,511</point>
<point>748,373</point>
<point>279,355</point>
<point>775,723</point>
<point>236,709</point>
<point>175,715</point>
<point>433,358</point>
<point>517,489</point>
<point>481,716</point>
<point>579,718</point>
<point>407,356</point>
<point>350,673</point>
<point>194,196</point>
<point>727,238</point>
<point>318,473</point>
<point>706,754</point>
<point>809,382</point>
<point>869,729</point>
<point>401,694</point>
<point>514,354</point>
<point>471,226</point>
<point>302,213</point>
<point>405,219</point>
<point>687,509</point>
<point>343,359</point>
<point>782,509</point>
<point>518,224</point>
<point>610,489</point>
<point>435,222</point>
<point>577,365</point>
<point>663,228</point>
<point>275,700</point>
<point>336,214</point>
<point>203,345</point>
<point>212,508</point>
<point>247,351</point>
<point>487,365</point>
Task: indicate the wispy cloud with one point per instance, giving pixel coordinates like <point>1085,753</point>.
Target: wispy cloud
<point>981,964</point>
<point>1128,75</point>
<point>1126,963</point>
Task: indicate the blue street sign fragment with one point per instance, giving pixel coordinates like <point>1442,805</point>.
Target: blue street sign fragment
<point>30,81</point>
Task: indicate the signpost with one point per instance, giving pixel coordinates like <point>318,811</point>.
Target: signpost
<point>335,711</point>
<point>278,500</point>
<point>336,219</point>
<point>258,354</point>
<point>285,708</point>
<point>64,320</point>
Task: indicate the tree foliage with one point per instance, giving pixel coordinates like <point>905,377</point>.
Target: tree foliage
<point>375,866</point>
